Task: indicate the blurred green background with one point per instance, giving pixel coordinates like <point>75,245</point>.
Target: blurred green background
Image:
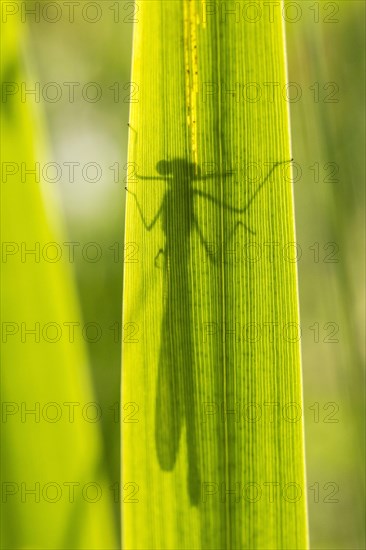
<point>87,123</point>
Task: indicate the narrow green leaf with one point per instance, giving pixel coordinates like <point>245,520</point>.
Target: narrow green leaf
<point>212,433</point>
<point>55,490</point>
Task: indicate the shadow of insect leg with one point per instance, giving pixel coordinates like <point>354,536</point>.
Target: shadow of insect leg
<point>203,241</point>
<point>236,227</point>
<point>156,259</point>
<point>148,226</point>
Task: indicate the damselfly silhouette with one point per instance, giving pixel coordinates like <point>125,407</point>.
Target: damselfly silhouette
<point>175,403</point>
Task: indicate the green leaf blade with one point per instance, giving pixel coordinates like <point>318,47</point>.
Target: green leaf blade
<point>205,315</point>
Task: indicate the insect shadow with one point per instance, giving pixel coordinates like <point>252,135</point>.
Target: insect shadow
<point>175,394</point>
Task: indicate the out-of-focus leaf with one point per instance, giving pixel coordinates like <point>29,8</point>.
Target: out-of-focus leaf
<point>55,493</point>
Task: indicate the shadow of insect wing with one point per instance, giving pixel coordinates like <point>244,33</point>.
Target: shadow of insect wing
<point>169,410</point>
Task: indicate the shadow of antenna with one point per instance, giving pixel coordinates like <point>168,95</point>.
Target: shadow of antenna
<point>132,129</point>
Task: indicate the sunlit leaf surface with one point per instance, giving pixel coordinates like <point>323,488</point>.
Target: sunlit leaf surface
<point>212,431</point>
